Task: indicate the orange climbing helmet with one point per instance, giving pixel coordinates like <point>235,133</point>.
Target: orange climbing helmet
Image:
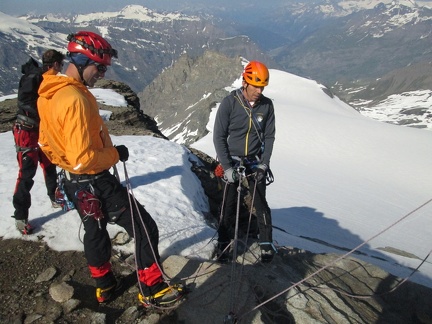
<point>256,73</point>
<point>95,47</point>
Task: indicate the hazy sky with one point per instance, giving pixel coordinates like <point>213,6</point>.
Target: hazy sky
<point>18,7</point>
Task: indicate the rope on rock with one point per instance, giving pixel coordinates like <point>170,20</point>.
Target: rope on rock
<point>342,257</point>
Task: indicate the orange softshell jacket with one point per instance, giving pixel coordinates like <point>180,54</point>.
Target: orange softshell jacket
<point>72,133</point>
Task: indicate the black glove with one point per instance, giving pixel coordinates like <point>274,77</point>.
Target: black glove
<point>260,172</point>
<point>123,152</point>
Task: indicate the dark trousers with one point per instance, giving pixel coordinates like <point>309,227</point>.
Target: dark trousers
<point>28,157</point>
<point>114,200</point>
<point>262,211</point>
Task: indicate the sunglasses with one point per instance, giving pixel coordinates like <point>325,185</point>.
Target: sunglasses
<point>100,67</point>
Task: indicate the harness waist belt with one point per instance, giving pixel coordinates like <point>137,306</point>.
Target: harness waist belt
<point>83,177</point>
<point>27,121</point>
<point>247,158</point>
<point>25,149</point>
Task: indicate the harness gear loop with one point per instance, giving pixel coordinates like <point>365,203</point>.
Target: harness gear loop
<point>89,204</point>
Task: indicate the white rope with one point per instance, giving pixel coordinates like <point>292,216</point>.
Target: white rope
<point>338,259</point>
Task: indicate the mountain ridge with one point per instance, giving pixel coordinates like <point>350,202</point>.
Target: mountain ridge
<point>371,19</point>
<point>349,46</point>
<point>141,41</point>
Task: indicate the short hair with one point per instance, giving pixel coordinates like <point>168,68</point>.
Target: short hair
<point>51,56</point>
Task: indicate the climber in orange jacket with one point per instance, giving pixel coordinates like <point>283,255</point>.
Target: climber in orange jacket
<point>75,138</point>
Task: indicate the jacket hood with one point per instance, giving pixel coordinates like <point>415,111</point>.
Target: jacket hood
<point>53,82</point>
<point>31,66</point>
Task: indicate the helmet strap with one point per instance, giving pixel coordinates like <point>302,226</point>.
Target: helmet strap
<point>80,69</point>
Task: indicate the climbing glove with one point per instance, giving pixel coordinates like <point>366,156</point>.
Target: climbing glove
<point>230,175</point>
<point>260,172</point>
<point>123,152</point>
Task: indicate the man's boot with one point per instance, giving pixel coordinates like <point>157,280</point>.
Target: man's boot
<point>23,226</point>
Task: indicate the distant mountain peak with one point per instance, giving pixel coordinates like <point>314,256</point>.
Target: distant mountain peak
<point>356,5</point>
<point>135,12</point>
<point>14,26</point>
<point>337,8</point>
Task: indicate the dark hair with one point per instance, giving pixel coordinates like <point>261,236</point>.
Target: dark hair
<point>51,56</point>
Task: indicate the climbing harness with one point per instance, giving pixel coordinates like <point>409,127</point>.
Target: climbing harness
<point>26,123</point>
<point>21,126</point>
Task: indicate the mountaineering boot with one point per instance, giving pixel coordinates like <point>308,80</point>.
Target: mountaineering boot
<point>23,226</point>
<point>266,256</point>
<point>165,297</point>
<point>106,287</point>
<point>222,252</point>
<point>104,295</point>
<point>267,252</point>
<point>55,204</point>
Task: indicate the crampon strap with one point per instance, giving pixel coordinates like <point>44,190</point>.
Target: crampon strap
<point>158,300</point>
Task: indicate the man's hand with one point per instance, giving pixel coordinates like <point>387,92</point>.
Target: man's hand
<point>123,152</point>
<point>260,172</point>
<point>230,175</point>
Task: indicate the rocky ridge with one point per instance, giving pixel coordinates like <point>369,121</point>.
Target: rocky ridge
<point>55,287</point>
<point>190,88</point>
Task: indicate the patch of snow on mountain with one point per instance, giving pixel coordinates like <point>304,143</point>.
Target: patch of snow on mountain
<point>19,27</point>
<point>134,12</point>
<point>357,5</point>
<point>409,108</point>
<point>32,35</point>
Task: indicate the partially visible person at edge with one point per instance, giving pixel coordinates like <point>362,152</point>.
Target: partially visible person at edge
<point>26,133</point>
<point>244,134</point>
<point>74,137</point>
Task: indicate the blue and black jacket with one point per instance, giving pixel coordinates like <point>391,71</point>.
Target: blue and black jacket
<point>244,131</point>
